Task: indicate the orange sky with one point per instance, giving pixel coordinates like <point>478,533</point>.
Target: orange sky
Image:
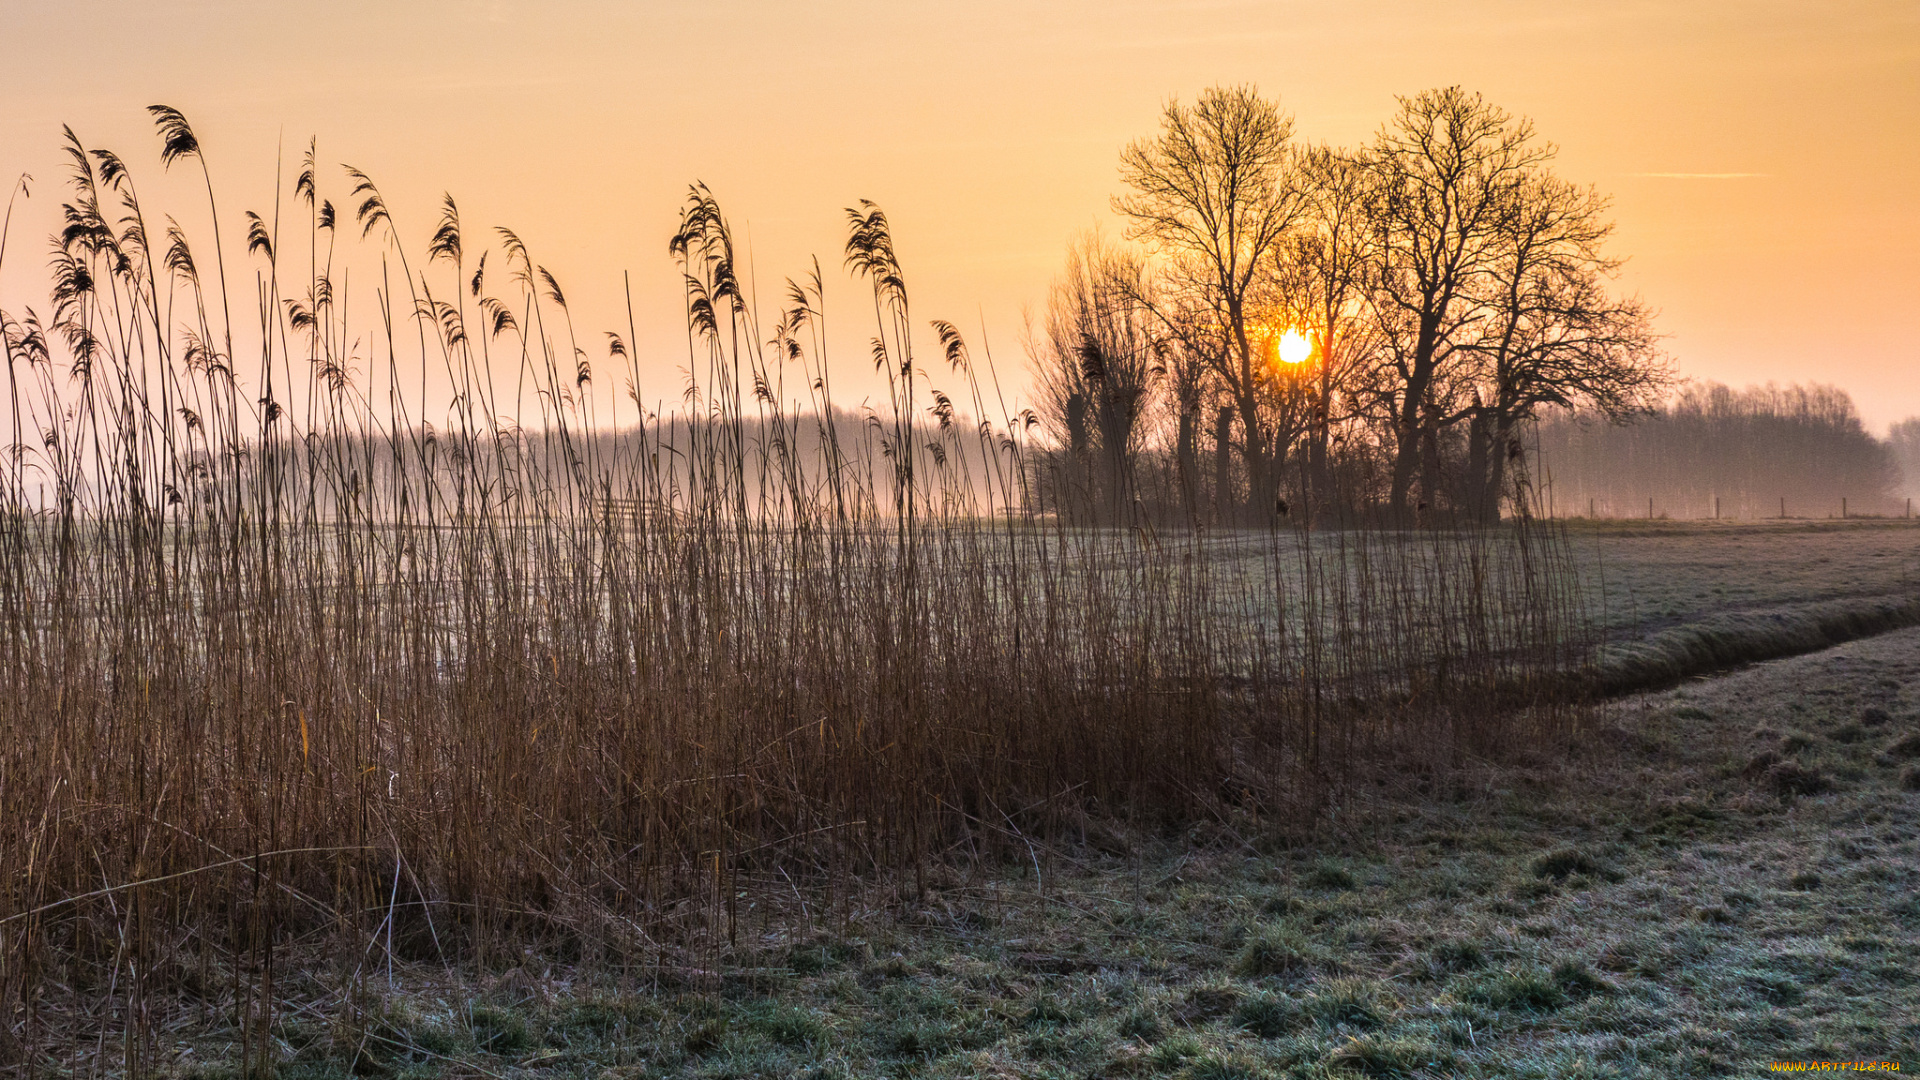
<point>1763,157</point>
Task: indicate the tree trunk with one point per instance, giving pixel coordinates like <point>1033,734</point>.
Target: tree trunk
<point>1406,463</point>
<point>1410,432</point>
<point>1074,497</point>
<point>1118,489</point>
<point>1430,466</point>
<point>1188,460</point>
<point>1501,451</point>
<point>1253,451</point>
<point>1273,474</point>
<point>1223,467</point>
<point>1318,490</point>
<point>1482,485</point>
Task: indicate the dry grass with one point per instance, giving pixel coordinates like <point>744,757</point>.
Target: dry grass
<point>300,689</point>
<point>1639,905</point>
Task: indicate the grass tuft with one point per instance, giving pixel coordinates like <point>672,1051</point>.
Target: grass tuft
<point>1387,1057</point>
<point>1904,748</point>
<point>1788,779</point>
<point>788,1025</point>
<point>1171,1053</point>
<point>1278,949</point>
<point>1529,989</point>
<point>1564,863</point>
<point>1578,979</point>
<point>1349,1003</point>
<point>1268,1015</point>
<point>1329,874</point>
<point>705,1036</point>
<point>499,1031</point>
<point>1210,1001</point>
<point>1142,1023</point>
<point>1217,1066</point>
<point>1455,955</point>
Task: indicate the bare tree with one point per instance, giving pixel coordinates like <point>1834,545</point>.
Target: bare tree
<point>1095,369</point>
<point>1322,271</point>
<point>1553,336</point>
<point>1449,285</point>
<point>1213,194</point>
<point>1445,171</point>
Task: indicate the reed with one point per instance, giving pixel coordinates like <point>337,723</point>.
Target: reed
<point>291,670</point>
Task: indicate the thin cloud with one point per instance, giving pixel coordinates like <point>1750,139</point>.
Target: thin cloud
<point>1701,175</point>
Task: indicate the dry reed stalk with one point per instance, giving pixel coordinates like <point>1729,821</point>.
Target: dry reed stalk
<point>308,665</point>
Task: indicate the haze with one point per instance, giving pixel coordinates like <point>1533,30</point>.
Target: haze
<point>1760,155</point>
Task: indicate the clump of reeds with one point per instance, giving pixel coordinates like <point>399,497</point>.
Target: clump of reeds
<point>284,661</point>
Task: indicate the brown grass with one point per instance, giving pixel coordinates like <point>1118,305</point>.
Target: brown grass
<point>285,665</point>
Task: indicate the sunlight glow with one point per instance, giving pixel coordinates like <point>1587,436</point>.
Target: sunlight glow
<point>1295,347</point>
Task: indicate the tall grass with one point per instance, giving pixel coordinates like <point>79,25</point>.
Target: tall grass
<point>287,666</point>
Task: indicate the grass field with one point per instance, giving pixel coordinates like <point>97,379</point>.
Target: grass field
<point>1646,576</point>
<point>1703,880</point>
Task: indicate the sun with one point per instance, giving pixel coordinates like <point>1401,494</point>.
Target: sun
<point>1295,347</point>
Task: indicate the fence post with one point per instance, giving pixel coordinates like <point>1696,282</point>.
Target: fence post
<point>1843,508</point>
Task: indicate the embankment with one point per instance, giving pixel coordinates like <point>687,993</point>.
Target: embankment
<point>1730,639</point>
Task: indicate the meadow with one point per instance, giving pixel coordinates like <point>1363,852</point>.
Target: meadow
<point>1647,576</point>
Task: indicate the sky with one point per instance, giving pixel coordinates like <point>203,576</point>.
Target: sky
<point>1762,157</point>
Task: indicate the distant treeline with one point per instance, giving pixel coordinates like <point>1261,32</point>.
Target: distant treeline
<point>1715,450</point>
<point>660,465</point>
<point>1904,441</point>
